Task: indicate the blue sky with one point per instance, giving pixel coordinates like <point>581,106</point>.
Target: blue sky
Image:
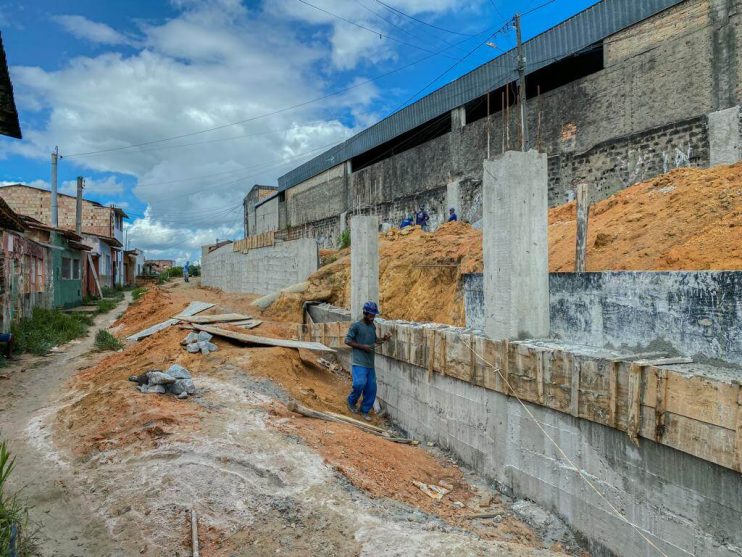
<point>103,76</point>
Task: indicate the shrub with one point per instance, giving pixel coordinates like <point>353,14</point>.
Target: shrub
<point>14,523</point>
<point>344,239</point>
<point>47,328</point>
<point>106,341</point>
<point>138,293</point>
<point>105,305</point>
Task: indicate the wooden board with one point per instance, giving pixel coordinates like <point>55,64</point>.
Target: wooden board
<point>263,341</point>
<point>192,309</point>
<point>220,318</point>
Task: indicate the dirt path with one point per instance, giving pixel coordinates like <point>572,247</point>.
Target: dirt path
<point>68,523</point>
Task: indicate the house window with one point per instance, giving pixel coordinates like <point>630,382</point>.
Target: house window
<point>67,268</point>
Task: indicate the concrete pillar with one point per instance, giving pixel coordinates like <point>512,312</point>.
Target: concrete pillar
<point>724,136</point>
<point>453,199</point>
<point>458,118</point>
<point>343,221</point>
<point>516,251</point>
<point>364,262</point>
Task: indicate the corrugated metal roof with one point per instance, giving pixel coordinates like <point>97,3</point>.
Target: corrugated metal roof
<point>569,37</point>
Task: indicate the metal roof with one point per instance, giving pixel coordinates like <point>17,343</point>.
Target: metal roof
<point>8,113</point>
<point>569,37</point>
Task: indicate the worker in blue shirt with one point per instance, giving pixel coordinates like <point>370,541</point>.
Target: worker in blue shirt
<point>186,269</point>
<point>422,218</point>
<point>452,215</point>
<point>362,339</point>
<point>407,221</point>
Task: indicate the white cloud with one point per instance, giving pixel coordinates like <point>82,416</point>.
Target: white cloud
<point>107,187</point>
<point>93,31</point>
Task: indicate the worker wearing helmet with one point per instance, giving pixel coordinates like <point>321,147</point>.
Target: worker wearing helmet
<point>362,339</point>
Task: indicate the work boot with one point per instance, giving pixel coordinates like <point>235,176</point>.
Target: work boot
<point>366,417</point>
<point>352,408</point>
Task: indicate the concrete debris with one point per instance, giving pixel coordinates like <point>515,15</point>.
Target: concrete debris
<point>199,342</point>
<point>432,491</point>
<point>176,380</point>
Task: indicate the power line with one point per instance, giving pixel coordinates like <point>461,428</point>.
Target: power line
<point>390,22</point>
<point>375,32</point>
<point>413,18</point>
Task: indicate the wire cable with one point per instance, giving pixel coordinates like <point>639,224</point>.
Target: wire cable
<point>413,18</point>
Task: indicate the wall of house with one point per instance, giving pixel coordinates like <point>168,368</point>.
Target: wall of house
<point>259,271</point>
<point>266,217</point>
<point>645,113</point>
<point>36,203</point>
<point>67,291</point>
<point>693,313</point>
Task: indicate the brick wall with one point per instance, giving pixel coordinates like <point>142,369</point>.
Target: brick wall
<point>36,203</point>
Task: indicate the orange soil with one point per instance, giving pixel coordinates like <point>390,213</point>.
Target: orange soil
<point>109,413</point>
<point>688,219</point>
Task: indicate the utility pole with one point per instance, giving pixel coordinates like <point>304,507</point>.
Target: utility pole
<point>521,86</point>
<point>54,209</point>
<point>78,211</point>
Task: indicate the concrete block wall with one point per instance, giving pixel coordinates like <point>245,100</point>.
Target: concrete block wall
<point>259,271</point>
<point>684,505</point>
<point>693,313</point>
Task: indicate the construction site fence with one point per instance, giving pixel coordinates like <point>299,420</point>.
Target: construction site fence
<point>699,415</point>
<point>264,240</point>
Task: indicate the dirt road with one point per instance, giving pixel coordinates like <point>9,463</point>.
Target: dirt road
<point>115,472</point>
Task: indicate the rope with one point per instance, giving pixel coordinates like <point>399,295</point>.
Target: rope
<point>566,458</point>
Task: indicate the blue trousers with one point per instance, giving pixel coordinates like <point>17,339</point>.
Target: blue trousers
<point>364,383</point>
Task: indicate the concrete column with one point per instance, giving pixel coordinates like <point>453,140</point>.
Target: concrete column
<point>516,251</point>
<point>724,136</point>
<point>458,118</point>
<point>453,199</point>
<point>364,262</point>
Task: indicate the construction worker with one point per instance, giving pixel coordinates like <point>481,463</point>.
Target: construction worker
<point>186,269</point>
<point>362,339</point>
<point>422,218</point>
<point>406,221</point>
<point>452,215</point>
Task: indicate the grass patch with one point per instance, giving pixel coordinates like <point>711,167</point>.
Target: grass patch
<point>105,305</point>
<point>138,293</point>
<point>113,293</point>
<point>47,328</point>
<point>16,536</point>
<point>106,341</point>
<point>344,239</point>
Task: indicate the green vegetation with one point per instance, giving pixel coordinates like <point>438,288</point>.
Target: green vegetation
<point>138,293</point>
<point>105,305</point>
<point>344,239</point>
<point>106,341</point>
<point>47,328</point>
<point>14,523</point>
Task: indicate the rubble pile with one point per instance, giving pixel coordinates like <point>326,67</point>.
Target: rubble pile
<point>175,380</point>
<point>199,342</point>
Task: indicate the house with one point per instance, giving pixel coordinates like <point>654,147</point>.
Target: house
<point>133,266</point>
<point>102,228</point>
<point>156,266</point>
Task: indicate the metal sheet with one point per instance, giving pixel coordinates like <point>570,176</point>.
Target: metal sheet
<point>569,37</point>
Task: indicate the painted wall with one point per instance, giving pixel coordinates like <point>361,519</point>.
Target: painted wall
<point>259,271</point>
<point>693,313</point>
<point>67,292</point>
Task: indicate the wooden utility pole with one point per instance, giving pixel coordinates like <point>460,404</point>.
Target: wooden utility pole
<point>583,212</point>
<point>521,86</point>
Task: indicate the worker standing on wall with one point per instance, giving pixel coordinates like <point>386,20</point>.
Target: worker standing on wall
<point>452,215</point>
<point>362,339</point>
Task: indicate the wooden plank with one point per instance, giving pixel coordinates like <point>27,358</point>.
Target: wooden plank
<point>638,356</point>
<point>206,319</point>
<point>665,361</point>
<point>263,341</point>
<point>95,275</point>
<point>576,370</point>
<point>612,393</point>
<point>659,408</point>
<point>192,309</point>
<point>738,432</point>
<point>635,392</point>
<point>583,212</point>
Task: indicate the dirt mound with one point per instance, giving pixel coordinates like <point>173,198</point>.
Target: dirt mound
<point>688,219</point>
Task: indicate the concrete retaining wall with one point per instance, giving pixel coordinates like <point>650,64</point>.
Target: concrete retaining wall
<point>260,271</point>
<point>684,505</point>
<point>697,314</point>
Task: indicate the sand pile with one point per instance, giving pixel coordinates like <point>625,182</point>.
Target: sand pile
<point>688,219</point>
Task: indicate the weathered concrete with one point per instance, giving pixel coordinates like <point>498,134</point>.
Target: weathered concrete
<point>694,313</point>
<point>458,117</point>
<point>453,197</point>
<point>515,245</point>
<point>684,505</point>
<point>259,271</point>
<point>724,136</point>
<point>364,262</point>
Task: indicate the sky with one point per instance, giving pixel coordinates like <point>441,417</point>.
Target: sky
<point>174,109</point>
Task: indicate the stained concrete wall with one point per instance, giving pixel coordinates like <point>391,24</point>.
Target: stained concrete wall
<point>694,313</point>
<point>266,216</point>
<point>259,271</point>
<point>684,505</point>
